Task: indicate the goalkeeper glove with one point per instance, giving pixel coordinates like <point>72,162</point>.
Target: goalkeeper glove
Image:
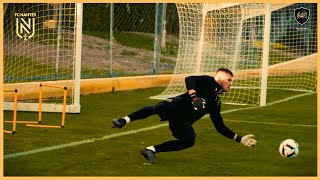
<point>197,102</point>
<point>247,140</point>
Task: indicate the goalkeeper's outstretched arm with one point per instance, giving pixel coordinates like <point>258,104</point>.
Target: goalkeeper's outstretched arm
<point>246,140</point>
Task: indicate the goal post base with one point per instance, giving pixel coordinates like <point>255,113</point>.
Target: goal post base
<point>45,107</point>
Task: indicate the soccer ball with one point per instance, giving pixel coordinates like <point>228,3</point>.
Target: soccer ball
<point>289,148</point>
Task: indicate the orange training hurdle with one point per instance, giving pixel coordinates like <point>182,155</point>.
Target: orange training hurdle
<point>40,107</point>
<point>15,107</point>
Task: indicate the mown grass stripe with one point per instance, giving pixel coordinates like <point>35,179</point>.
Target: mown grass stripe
<point>51,148</point>
<point>55,147</point>
<point>272,123</point>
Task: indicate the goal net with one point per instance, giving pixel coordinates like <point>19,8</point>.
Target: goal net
<point>234,36</point>
<point>42,44</point>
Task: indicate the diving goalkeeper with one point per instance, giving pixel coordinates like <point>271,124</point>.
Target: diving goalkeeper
<point>182,111</point>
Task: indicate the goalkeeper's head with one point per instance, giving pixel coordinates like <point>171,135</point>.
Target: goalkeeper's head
<point>224,78</point>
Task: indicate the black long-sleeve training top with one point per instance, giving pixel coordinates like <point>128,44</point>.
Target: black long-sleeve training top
<point>181,109</point>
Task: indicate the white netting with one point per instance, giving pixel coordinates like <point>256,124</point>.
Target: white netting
<point>231,35</point>
<point>40,50</point>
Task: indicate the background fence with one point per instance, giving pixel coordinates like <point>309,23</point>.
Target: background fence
<point>133,48</point>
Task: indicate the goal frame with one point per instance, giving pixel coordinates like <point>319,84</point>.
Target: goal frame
<point>259,74</point>
<point>75,83</point>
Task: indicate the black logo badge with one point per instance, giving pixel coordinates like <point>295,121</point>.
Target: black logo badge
<point>301,15</point>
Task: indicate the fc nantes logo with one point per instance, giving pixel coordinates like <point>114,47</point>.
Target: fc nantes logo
<point>25,25</point>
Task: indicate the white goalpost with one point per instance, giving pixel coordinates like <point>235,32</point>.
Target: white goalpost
<point>42,44</point>
<point>263,44</point>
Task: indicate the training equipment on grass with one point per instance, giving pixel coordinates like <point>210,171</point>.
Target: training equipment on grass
<point>289,148</point>
<point>262,43</point>
<point>15,105</point>
<point>63,109</point>
<point>42,43</point>
<point>15,112</point>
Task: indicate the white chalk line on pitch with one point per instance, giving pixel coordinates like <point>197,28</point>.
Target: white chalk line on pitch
<point>271,123</point>
<point>51,148</point>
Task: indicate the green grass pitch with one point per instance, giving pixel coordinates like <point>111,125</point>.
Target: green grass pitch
<point>86,146</point>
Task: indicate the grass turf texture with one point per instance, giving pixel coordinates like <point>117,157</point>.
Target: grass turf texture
<point>213,154</point>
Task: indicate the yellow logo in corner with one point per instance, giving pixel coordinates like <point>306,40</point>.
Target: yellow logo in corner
<point>25,25</point>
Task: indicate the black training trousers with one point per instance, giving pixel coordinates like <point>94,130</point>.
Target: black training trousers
<point>183,132</point>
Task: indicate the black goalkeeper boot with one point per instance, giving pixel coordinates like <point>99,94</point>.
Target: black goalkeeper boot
<point>149,155</point>
<point>119,123</point>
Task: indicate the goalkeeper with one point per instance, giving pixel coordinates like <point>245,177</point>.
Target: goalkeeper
<point>182,111</point>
